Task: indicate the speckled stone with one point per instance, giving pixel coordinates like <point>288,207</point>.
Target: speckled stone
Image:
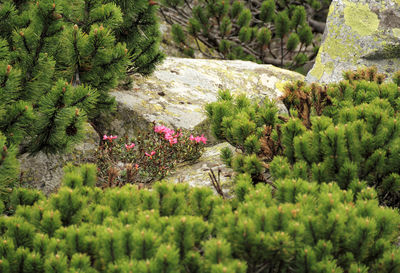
<point>45,172</point>
<point>359,33</point>
<point>177,92</point>
<point>197,174</point>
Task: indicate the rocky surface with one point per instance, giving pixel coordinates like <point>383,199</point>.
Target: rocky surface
<point>45,172</point>
<point>358,33</point>
<point>176,93</point>
<point>197,174</point>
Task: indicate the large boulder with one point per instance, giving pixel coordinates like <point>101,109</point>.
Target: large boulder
<point>176,93</point>
<point>358,33</point>
<point>45,172</point>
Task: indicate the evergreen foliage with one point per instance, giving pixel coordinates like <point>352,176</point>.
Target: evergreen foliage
<point>345,132</point>
<point>59,59</point>
<point>296,227</point>
<point>140,31</point>
<point>9,169</point>
<point>282,33</point>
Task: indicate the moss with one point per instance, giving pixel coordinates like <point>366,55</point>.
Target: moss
<point>360,18</point>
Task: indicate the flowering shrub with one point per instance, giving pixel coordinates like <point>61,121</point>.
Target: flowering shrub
<point>148,157</point>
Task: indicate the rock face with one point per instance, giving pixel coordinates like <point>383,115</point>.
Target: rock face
<point>45,172</point>
<point>198,174</point>
<point>358,33</point>
<point>176,93</point>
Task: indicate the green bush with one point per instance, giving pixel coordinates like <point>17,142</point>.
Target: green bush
<point>58,61</point>
<point>345,132</point>
<point>244,124</point>
<point>282,33</point>
<point>9,170</point>
<point>140,30</point>
<point>296,227</point>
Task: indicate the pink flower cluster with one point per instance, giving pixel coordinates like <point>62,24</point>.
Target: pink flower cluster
<point>198,139</point>
<point>128,147</point>
<point>110,138</point>
<point>150,154</point>
<point>169,134</point>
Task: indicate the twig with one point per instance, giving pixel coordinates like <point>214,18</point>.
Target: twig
<point>216,182</point>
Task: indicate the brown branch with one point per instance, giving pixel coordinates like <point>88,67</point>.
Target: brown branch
<point>316,25</point>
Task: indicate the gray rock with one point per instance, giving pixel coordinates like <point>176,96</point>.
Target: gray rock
<point>45,172</point>
<point>358,33</point>
<point>176,93</point>
<point>197,174</point>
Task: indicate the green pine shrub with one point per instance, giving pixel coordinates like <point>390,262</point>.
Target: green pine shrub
<point>248,126</point>
<point>296,226</point>
<point>55,75</point>
<point>9,170</point>
<point>345,132</point>
<point>140,31</point>
<point>58,61</point>
<point>282,33</point>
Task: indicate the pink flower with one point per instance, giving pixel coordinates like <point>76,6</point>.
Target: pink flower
<point>173,141</point>
<point>159,129</point>
<point>198,139</point>
<point>128,147</point>
<point>168,136</point>
<point>163,129</point>
<point>150,154</point>
<point>203,139</point>
<point>110,138</point>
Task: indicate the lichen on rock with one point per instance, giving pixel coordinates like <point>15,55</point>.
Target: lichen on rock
<point>177,92</point>
<point>358,33</point>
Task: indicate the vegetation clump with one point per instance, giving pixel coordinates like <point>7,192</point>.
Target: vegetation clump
<point>148,157</point>
<point>58,61</point>
<point>345,132</point>
<point>295,227</point>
